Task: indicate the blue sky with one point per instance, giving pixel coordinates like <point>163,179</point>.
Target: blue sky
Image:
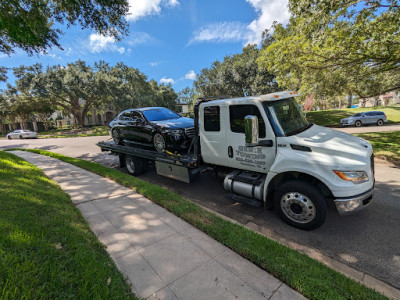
<point>170,41</point>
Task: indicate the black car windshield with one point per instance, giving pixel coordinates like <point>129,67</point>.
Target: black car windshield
<point>357,115</point>
<point>286,117</point>
<point>159,114</point>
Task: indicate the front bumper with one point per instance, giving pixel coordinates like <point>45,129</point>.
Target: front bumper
<point>346,122</point>
<point>349,205</point>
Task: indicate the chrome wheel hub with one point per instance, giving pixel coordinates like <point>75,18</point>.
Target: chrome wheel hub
<point>130,165</point>
<point>159,142</point>
<point>298,207</point>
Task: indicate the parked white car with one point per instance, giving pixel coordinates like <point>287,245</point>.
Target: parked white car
<point>22,134</point>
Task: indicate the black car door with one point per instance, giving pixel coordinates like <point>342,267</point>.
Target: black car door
<point>136,128</point>
<point>121,124</point>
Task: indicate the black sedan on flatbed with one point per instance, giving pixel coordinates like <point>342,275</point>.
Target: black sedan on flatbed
<point>157,127</point>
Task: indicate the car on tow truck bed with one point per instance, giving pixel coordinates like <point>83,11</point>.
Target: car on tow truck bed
<point>272,156</point>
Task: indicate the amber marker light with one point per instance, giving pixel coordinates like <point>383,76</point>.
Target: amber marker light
<point>353,176</point>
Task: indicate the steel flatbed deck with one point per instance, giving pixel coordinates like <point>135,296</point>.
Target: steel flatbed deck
<point>178,166</point>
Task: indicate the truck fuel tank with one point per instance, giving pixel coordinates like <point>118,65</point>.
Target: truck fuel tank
<point>245,183</point>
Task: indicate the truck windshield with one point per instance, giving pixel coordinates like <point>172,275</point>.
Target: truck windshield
<point>286,117</point>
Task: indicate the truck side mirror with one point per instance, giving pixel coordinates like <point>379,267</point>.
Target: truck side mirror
<point>251,130</point>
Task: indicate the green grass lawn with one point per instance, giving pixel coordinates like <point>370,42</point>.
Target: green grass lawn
<point>47,250</point>
<point>386,144</point>
<point>309,277</point>
<point>333,117</point>
<point>78,132</point>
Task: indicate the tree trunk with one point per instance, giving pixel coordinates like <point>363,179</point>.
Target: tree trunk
<point>349,101</point>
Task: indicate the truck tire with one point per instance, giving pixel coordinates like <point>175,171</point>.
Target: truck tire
<point>358,123</point>
<point>116,136</point>
<point>300,204</point>
<point>379,123</point>
<point>134,165</point>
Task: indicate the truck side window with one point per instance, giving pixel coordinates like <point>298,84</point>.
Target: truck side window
<point>211,118</point>
<point>237,114</point>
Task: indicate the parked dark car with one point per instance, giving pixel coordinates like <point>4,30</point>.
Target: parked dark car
<point>365,118</point>
<point>157,127</point>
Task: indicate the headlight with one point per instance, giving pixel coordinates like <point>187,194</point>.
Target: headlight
<point>353,176</point>
<point>174,131</point>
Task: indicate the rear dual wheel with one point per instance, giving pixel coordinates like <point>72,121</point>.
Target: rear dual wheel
<point>300,204</point>
<point>135,165</point>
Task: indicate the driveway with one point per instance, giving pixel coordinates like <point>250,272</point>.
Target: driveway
<point>368,241</point>
<point>371,128</point>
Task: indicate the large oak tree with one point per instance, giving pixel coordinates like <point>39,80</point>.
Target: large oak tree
<point>31,24</point>
<point>337,47</point>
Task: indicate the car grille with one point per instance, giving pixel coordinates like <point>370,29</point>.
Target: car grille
<point>189,132</point>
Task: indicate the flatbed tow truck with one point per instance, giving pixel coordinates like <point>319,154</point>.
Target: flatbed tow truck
<point>272,157</point>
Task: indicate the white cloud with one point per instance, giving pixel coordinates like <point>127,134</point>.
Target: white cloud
<point>190,75</point>
<point>172,3</point>
<point>267,11</point>
<point>137,38</point>
<point>99,43</point>
<point>167,80</point>
<point>221,32</point>
<point>142,8</point>
<point>154,64</point>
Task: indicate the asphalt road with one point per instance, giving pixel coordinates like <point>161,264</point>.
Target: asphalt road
<point>368,241</point>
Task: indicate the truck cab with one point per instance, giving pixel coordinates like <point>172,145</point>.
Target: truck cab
<point>278,159</point>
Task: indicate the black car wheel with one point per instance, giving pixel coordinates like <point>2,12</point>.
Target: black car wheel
<point>358,124</point>
<point>300,204</point>
<point>159,142</point>
<point>379,123</point>
<point>9,137</point>
<point>116,136</point>
<point>20,137</point>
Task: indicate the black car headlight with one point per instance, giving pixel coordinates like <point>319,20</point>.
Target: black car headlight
<point>174,131</point>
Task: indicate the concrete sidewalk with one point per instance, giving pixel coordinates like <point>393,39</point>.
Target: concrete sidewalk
<point>162,256</point>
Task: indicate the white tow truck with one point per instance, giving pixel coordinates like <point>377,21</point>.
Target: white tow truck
<point>271,157</point>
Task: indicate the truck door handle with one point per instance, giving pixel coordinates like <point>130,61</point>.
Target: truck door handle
<point>230,151</point>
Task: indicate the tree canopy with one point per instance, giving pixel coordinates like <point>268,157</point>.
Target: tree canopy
<point>236,76</point>
<point>78,88</point>
<point>30,24</point>
<point>337,47</point>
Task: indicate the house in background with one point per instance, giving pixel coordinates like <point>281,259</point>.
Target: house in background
<point>392,98</point>
<point>93,118</point>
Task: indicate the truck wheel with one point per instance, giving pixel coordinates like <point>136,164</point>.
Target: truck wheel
<point>134,165</point>
<point>116,136</point>
<point>358,124</point>
<point>159,142</point>
<point>379,123</point>
<point>300,204</point>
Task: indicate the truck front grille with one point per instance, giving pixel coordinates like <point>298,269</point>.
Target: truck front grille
<point>189,132</point>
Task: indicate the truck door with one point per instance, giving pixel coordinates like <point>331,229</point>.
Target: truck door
<point>213,133</point>
<point>258,158</point>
